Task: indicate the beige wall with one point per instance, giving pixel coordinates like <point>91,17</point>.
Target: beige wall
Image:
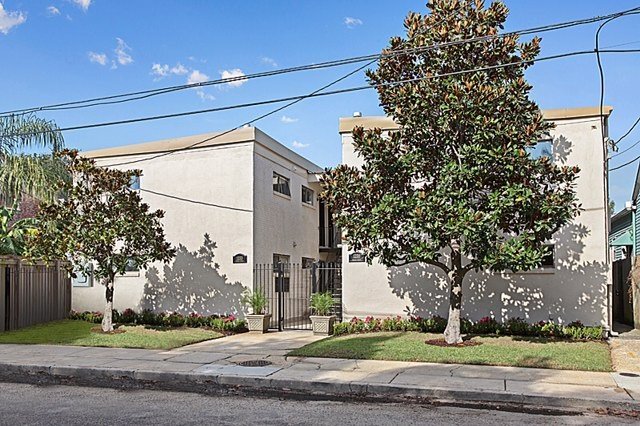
<point>282,225</point>
<point>220,175</point>
<point>576,289</point>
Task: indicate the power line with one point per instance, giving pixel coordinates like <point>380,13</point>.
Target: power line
<point>318,94</point>
<point>131,96</point>
<point>625,164</point>
<point>188,200</point>
<point>629,131</point>
<point>622,152</point>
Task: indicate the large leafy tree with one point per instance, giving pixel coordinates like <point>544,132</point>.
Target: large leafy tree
<point>101,221</point>
<point>23,169</point>
<point>456,186</point>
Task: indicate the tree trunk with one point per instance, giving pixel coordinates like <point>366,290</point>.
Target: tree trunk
<point>107,319</point>
<point>452,334</point>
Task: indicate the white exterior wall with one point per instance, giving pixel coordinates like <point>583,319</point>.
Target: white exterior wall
<point>282,225</point>
<point>218,174</point>
<point>576,289</point>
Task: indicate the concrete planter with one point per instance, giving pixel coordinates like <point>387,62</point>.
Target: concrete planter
<point>258,323</point>
<point>322,325</point>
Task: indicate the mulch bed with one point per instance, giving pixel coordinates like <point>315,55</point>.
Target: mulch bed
<point>444,344</point>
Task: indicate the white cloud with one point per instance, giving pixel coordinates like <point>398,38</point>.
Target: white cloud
<point>179,69</point>
<point>299,145</point>
<point>83,4</point>
<point>98,58</point>
<point>204,95</point>
<point>197,77</point>
<point>288,120</point>
<point>9,20</point>
<point>122,52</point>
<point>161,71</point>
<point>352,22</point>
<point>269,61</point>
<point>234,73</point>
<point>53,11</point>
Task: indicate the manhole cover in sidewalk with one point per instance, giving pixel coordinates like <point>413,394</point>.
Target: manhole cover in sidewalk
<point>254,363</point>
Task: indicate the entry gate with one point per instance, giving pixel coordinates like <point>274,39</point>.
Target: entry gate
<point>288,288</point>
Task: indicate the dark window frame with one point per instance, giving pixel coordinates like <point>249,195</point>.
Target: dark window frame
<point>310,192</point>
<point>281,184</point>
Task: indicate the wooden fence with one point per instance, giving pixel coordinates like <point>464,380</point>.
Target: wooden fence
<point>32,293</point>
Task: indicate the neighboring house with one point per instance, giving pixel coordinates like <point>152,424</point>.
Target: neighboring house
<point>572,285</point>
<point>625,245</point>
<point>254,198</point>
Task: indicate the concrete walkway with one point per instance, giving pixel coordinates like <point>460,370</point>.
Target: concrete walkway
<point>215,366</point>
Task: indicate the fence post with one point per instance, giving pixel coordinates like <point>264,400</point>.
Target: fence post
<point>280,294</point>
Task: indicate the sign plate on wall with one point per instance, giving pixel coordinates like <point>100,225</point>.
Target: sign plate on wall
<point>240,258</point>
<point>356,257</point>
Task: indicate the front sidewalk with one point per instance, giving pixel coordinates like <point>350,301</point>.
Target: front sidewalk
<point>214,366</point>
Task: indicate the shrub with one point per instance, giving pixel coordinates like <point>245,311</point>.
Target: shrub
<point>128,316</point>
<point>486,325</point>
<point>227,324</point>
<point>322,303</point>
<point>194,319</point>
<point>148,317</point>
<point>435,324</point>
<point>517,327</point>
<point>174,320</point>
<point>583,333</point>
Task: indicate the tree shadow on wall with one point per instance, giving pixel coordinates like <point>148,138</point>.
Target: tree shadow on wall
<point>575,290</point>
<point>192,283</point>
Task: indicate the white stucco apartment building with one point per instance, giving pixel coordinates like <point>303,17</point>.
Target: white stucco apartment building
<point>574,285</point>
<point>253,197</point>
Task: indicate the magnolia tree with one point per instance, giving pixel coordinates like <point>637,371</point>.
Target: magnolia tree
<point>456,186</point>
<point>100,222</point>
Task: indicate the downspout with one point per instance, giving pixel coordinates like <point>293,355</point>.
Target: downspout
<point>604,122</point>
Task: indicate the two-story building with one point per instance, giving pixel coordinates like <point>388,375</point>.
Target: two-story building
<point>573,284</point>
<point>254,199</point>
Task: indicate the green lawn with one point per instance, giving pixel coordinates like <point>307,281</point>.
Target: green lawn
<point>511,351</point>
<point>78,333</point>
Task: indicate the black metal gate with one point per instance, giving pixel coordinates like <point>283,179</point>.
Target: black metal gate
<point>288,288</point>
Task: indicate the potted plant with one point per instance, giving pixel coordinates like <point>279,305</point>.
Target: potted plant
<point>258,320</point>
<point>321,305</point>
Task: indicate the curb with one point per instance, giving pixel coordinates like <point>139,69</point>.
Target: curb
<point>265,387</point>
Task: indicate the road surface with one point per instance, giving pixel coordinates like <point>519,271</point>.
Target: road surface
<point>69,405</point>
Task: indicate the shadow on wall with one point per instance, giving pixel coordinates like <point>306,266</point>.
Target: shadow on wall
<point>575,290</point>
<point>192,283</point>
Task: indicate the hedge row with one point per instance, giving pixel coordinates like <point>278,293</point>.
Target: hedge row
<point>487,325</point>
<point>226,323</point>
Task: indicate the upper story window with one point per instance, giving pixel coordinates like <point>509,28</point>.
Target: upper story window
<point>281,184</point>
<point>134,183</point>
<point>544,148</point>
<point>307,195</point>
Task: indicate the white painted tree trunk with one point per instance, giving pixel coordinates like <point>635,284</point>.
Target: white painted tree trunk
<point>452,334</point>
<point>107,319</point>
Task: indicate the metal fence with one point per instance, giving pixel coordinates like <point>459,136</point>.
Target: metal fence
<point>32,293</point>
<point>288,288</point>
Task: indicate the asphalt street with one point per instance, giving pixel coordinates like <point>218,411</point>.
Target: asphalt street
<point>37,405</point>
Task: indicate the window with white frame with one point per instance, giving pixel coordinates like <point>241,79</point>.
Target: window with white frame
<point>281,184</point>
<point>307,195</point>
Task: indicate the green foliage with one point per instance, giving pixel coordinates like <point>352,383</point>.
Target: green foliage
<point>322,303</point>
<point>256,300</point>
<point>224,323</point>
<point>38,175</point>
<point>484,326</point>
<point>100,220</point>
<point>13,233</point>
<point>456,176</point>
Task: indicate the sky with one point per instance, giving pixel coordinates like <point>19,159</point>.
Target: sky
<point>63,50</point>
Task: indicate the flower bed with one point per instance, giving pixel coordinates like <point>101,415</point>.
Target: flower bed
<point>485,326</point>
<point>222,323</point>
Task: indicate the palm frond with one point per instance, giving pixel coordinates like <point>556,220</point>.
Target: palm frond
<point>26,131</point>
<point>37,175</point>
